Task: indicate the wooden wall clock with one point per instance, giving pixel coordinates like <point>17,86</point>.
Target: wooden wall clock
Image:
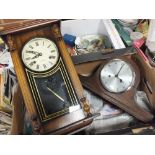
<point>51,89</point>
<point>117,81</point>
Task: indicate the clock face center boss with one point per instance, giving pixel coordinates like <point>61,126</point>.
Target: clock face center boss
<point>40,54</point>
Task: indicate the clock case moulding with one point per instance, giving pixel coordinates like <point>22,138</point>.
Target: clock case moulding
<point>16,35</point>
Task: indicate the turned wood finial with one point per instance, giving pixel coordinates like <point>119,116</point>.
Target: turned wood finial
<point>10,42</point>
<point>56,32</point>
<point>86,106</point>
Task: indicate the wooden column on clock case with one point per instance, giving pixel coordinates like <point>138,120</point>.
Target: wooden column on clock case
<point>70,68</point>
<point>23,82</point>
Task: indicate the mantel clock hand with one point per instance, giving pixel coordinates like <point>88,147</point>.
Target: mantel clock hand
<point>119,70</point>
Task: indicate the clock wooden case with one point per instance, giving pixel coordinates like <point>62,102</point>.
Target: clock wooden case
<point>51,89</point>
<point>118,90</point>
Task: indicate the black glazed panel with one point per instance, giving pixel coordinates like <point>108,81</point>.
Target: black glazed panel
<point>56,100</point>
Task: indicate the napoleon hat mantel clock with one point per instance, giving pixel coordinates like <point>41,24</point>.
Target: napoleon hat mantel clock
<point>51,89</point>
<point>117,81</point>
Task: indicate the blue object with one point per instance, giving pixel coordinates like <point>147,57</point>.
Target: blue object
<point>69,39</point>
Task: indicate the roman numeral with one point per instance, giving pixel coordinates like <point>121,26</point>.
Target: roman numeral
<point>52,57</point>
<point>51,63</point>
<point>37,67</point>
<point>49,46</point>
<point>44,66</point>
<point>52,51</point>
<point>29,51</point>
<point>32,63</point>
<point>37,44</point>
<point>31,46</point>
<point>28,58</point>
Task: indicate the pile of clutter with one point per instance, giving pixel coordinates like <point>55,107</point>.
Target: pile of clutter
<point>132,30</point>
<point>5,123</point>
<point>7,81</point>
<point>78,45</point>
<point>138,33</point>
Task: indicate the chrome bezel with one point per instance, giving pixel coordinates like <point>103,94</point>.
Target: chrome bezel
<point>133,77</point>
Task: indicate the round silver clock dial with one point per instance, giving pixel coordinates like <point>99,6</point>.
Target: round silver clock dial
<point>40,54</point>
<point>117,76</point>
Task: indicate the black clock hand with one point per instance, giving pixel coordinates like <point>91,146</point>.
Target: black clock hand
<point>33,52</point>
<point>119,70</point>
<point>120,79</point>
<point>37,55</point>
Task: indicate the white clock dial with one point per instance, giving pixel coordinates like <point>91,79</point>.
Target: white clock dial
<point>40,54</point>
<point>117,76</point>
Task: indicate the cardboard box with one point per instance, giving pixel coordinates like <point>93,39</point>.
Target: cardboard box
<point>82,27</point>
